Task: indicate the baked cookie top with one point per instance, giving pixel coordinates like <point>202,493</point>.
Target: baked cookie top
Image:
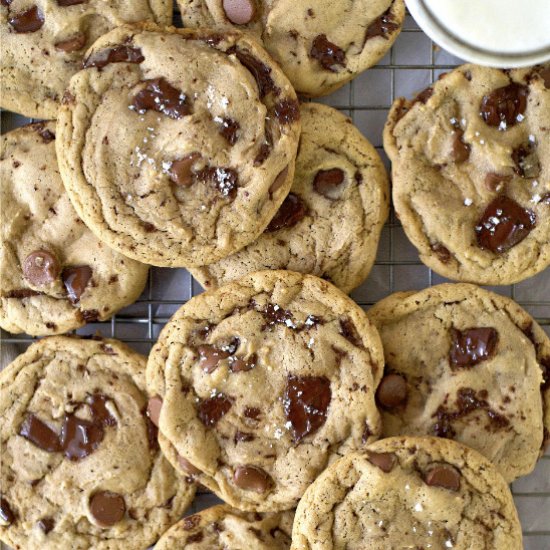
<point>320,45</point>
<point>177,146</point>
<point>56,275</point>
<point>471,173</point>
<point>330,223</point>
<point>258,385</point>
<point>466,364</point>
<point>228,528</point>
<point>81,467</point>
<point>44,41</point>
<point>408,492</point>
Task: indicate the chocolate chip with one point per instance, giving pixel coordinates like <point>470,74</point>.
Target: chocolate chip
<point>289,214</point>
<point>278,181</point>
<point>505,106</point>
<point>252,478</point>
<point>443,475</point>
<point>210,356</point>
<point>382,26</point>
<point>211,410</point>
<point>152,434</point>
<point>41,268</point>
<point>327,53</point>
<point>503,225</point>
<point>153,409</point>
<point>224,179</point>
<point>442,252</point>
<point>263,153</point>
<point>46,134</point>
<point>276,315</point>
<point>229,129</point>
<point>495,182</point>
<point>75,280</point>
<point>384,461</point>
<point>186,466</point>
<point>237,364</point>
<point>392,391</point>
<point>461,150</point>
<point>526,161</point>
<point>107,508</point>
<point>328,182</point>
<point>181,170</point>
<point>118,54</point>
<point>100,413</point>
<point>39,434</point>
<point>160,96</point>
<point>260,72</point>
<point>349,332</point>
<point>30,20</point>
<point>72,44</point>
<point>7,517</point>
<point>79,437</point>
<point>46,525</point>
<point>305,401</point>
<point>65,3</point>
<point>287,111</point>
<point>239,12</point>
<point>252,413</point>
<point>472,346</point>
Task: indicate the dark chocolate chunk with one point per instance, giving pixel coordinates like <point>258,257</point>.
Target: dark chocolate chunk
<point>72,44</point>
<point>392,391</point>
<point>65,3</point>
<point>472,346</point>
<point>243,437</point>
<point>526,160</point>
<point>225,180</point>
<point>21,293</point>
<point>384,461</point>
<point>6,513</point>
<point>210,356</point>
<point>278,181</point>
<point>107,508</point>
<point>46,524</point>
<point>79,437</point>
<point>505,106</point>
<point>191,522</point>
<point>275,314</point>
<point>100,413</point>
<point>41,268</point>
<point>443,475</point>
<point>213,409</point>
<point>423,96</point>
<point>327,53</point>
<point>495,182</point>
<point>197,537</point>
<point>287,111</point>
<point>382,26</point>
<point>160,96</point>
<point>328,182</point>
<point>461,149</point>
<point>306,400</point>
<point>152,434</point>
<point>349,332</point>
<point>289,214</point>
<point>442,252</point>
<point>118,54</point>
<point>238,364</point>
<point>40,434</point>
<point>30,20</point>
<point>252,413</point>
<point>181,170</point>
<point>229,129</point>
<point>252,478</point>
<point>75,280</point>
<point>504,224</point>
<point>260,72</point>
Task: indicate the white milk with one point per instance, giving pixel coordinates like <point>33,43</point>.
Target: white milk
<point>500,26</point>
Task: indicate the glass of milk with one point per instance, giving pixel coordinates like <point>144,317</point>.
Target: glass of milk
<point>498,33</point>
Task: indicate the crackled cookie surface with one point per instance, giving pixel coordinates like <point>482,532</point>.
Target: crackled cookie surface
<point>408,492</point>
<point>177,146</point>
<point>466,364</point>
<point>259,385</point>
<point>44,41</point>
<point>231,529</point>
<point>471,173</point>
<point>56,275</point>
<point>330,224</point>
<point>81,467</point>
<point>320,45</point>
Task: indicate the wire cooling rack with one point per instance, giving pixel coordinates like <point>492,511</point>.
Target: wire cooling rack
<point>412,64</point>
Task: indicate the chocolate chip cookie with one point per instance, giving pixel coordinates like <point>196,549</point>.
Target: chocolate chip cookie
<point>230,529</point>
<point>466,364</point>
<point>177,146</point>
<point>320,45</point>
<point>44,41</point>
<point>81,466</point>
<point>471,173</point>
<point>409,492</point>
<point>330,223</point>
<point>257,386</point>
<point>56,275</point>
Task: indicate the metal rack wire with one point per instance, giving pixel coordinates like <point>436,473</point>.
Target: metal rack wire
<point>412,64</point>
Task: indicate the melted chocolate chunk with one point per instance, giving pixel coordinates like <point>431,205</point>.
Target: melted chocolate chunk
<point>328,182</point>
<point>118,54</point>
<point>278,181</point>
<point>46,524</point>
<point>349,332</point>
<point>237,364</point>
<point>41,268</point>
<point>30,20</point>
<point>504,224</point>
<point>39,434</point>
<point>495,182</point>
<point>289,214</point>
<point>7,516</point>
<point>472,346</point>
<point>181,170</point>
<point>442,252</point>
<point>210,356</point>
<point>239,12</point>
<point>526,160</point>
<point>443,475</point>
<point>327,53</point>
<point>72,44</point>
<point>505,106</point>
<point>226,180</point>
<point>229,129</point>
<point>79,437</point>
<point>382,26</point>
<point>287,111</point>
<point>392,391</point>
<point>100,413</point>
<point>75,280</point>
<point>276,315</point>
<point>152,434</point>
<point>461,150</point>
<point>160,96</point>
<point>107,508</point>
<point>213,409</point>
<point>260,72</point>
<point>306,400</point>
<point>252,478</point>
<point>384,461</point>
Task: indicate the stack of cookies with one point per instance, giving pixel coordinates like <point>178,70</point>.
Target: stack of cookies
<point>317,424</point>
